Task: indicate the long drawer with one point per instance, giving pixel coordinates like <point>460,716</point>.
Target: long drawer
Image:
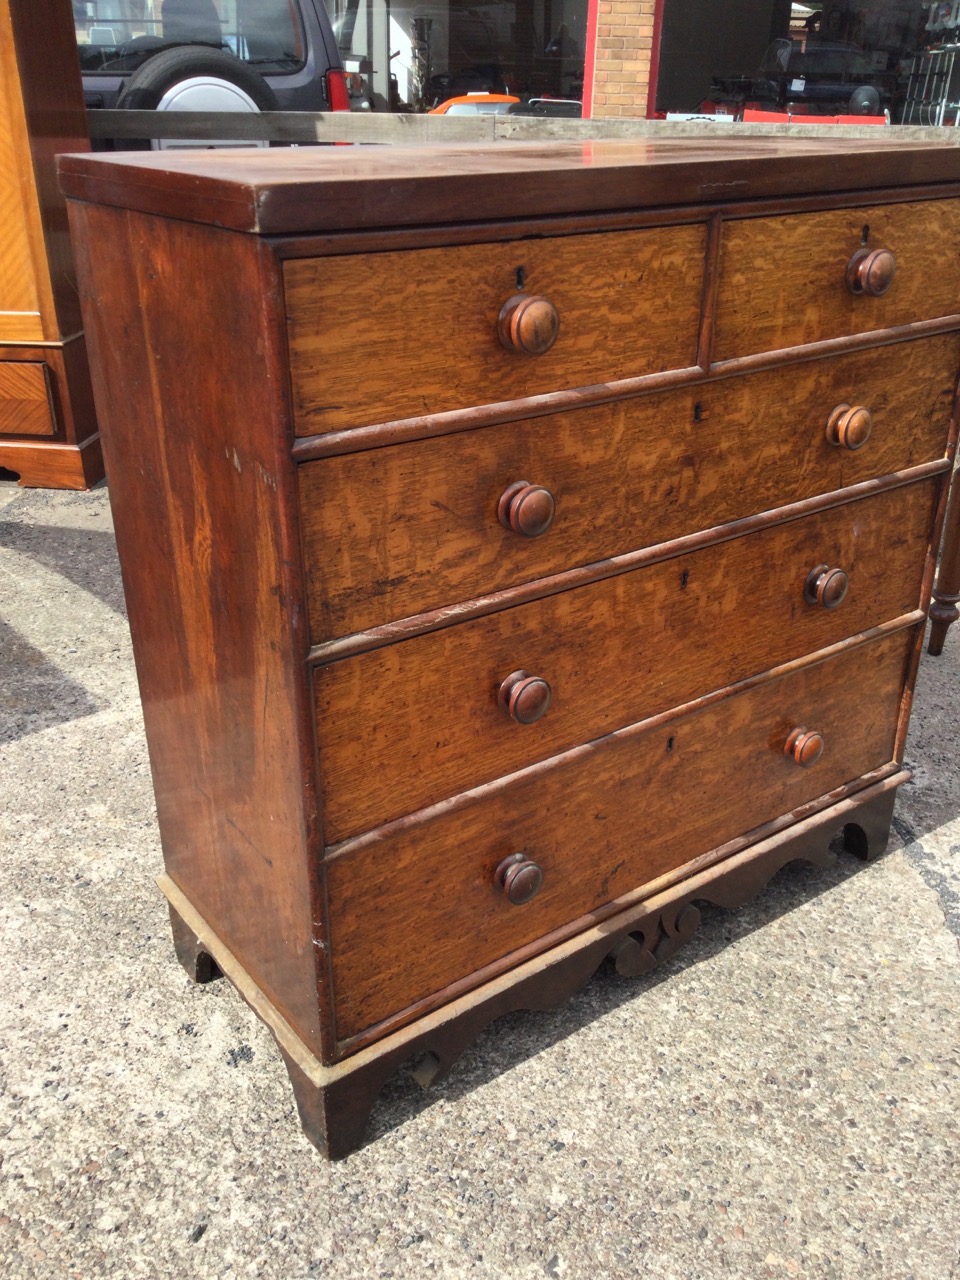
<point>419,909</point>
<point>412,527</point>
<point>424,719</point>
<point>783,280</point>
<point>435,344</point>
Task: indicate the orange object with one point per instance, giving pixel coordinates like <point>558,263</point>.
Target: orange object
<point>752,115</point>
<point>474,104</point>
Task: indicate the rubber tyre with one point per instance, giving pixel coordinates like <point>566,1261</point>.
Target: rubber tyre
<point>150,82</point>
<point>864,101</point>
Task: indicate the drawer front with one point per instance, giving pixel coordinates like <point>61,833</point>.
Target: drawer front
<point>25,408</point>
<point>424,719</point>
<point>628,304</point>
<point>783,281</point>
<point>401,530</point>
<point>414,912</point>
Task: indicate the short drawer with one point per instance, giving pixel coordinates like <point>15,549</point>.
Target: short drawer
<point>25,405</point>
<point>783,280</point>
<point>406,726</point>
<point>628,303</point>
<point>418,910</point>
<point>409,528</point>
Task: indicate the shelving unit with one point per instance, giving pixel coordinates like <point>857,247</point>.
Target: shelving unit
<point>932,97</point>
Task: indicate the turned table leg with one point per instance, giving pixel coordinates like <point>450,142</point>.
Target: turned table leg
<point>946,593</point>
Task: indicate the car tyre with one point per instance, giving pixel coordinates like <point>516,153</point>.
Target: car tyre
<point>160,74</point>
<point>864,101</point>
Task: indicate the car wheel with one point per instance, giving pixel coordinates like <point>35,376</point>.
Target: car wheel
<point>864,101</point>
<point>195,78</point>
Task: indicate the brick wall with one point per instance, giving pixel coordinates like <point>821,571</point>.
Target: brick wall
<point>621,80</point>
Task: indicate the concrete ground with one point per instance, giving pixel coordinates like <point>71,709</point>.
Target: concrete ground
<point>782,1099</point>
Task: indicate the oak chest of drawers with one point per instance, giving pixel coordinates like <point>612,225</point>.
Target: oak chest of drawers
<point>521,544</point>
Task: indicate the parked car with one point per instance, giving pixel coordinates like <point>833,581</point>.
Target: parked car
<point>556,108</point>
<point>817,77</point>
<point>269,55</point>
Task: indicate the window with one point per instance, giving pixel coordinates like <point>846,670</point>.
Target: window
<point>118,35</point>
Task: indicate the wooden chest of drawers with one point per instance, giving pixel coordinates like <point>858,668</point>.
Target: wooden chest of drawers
<point>521,545</point>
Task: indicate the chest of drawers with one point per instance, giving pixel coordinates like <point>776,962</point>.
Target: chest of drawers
<point>521,545</point>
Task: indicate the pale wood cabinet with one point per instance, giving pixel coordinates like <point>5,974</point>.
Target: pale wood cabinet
<point>48,429</point>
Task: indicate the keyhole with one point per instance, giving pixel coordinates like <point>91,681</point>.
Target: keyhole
<point>865,233</point>
<point>521,277</point>
<point>669,745</point>
<point>684,579</point>
<point>698,412</point>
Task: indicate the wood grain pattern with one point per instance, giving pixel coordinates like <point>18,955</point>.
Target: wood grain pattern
<point>22,275</point>
<point>315,189</point>
<point>420,720</point>
<point>441,321</point>
<point>43,115</point>
<point>25,400</point>
<point>611,824</point>
<point>42,464</point>
<point>783,279</point>
<point>210,577</point>
<point>624,476</point>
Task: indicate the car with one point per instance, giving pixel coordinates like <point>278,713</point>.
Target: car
<point>557,108</point>
<point>268,55</point>
<point>818,76</point>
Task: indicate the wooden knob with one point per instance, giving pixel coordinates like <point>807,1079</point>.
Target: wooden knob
<point>825,586</point>
<point>805,746</point>
<point>849,426</point>
<point>519,878</point>
<point>528,325</point>
<point>526,508</point>
<point>871,271</point>
<point>524,697</point>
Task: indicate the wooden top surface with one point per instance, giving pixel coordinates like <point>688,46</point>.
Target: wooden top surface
<point>335,188</point>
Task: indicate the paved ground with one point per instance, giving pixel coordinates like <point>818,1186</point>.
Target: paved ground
<point>783,1099</point>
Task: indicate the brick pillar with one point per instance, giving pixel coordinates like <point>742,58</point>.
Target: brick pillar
<point>624,47</point>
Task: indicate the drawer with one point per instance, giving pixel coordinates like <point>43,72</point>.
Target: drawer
<point>25,405</point>
<point>422,720</point>
<point>783,280</point>
<point>628,303</point>
<point>408,528</point>
<point>418,910</point>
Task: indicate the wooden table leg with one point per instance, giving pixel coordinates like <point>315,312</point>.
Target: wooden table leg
<point>946,593</point>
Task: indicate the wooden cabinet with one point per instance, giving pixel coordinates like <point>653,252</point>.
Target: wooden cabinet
<point>521,546</point>
<point>48,431</point>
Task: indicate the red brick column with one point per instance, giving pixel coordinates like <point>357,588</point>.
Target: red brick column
<point>624,47</point>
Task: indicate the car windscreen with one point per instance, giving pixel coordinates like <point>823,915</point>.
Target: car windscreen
<point>829,60</point>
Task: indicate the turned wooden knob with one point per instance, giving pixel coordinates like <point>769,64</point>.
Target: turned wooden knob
<point>849,426</point>
<point>526,508</point>
<point>805,746</point>
<point>519,878</point>
<point>528,325</point>
<point>524,697</point>
<point>871,271</point>
<point>825,586</point>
